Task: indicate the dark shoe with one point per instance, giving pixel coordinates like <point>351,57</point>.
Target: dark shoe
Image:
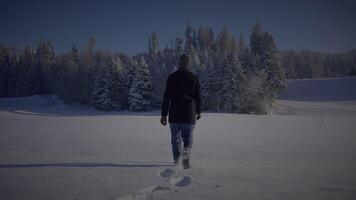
<point>185,160</point>
<point>185,163</point>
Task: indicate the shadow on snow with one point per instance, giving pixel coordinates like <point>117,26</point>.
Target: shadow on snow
<point>86,165</point>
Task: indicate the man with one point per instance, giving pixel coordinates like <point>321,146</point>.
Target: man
<point>183,103</point>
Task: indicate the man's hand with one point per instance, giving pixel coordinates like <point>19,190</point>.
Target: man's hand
<point>164,120</point>
<point>198,116</point>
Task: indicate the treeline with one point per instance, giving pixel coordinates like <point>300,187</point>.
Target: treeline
<point>234,76</point>
<point>28,72</point>
<point>310,64</point>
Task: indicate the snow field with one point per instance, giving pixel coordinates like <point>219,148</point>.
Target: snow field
<point>304,150</point>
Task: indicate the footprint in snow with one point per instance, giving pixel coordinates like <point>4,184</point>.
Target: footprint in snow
<point>154,191</point>
<point>180,181</point>
<point>146,193</point>
<point>167,172</point>
<point>176,180</point>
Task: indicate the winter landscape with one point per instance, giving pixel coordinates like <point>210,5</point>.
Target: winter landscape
<point>96,95</point>
<point>306,149</point>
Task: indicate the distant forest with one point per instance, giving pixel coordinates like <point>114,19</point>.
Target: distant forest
<point>311,64</point>
<point>235,75</point>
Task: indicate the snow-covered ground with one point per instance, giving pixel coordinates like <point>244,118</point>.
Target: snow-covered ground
<point>304,150</point>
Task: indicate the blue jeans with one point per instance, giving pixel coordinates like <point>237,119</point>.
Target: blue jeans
<point>181,132</point>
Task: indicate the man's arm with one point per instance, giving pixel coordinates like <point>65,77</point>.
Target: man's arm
<point>165,103</point>
<point>198,99</point>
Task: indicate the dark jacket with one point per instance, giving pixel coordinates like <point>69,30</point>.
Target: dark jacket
<point>182,97</point>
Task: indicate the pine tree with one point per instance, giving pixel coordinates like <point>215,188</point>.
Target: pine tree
<point>75,54</point>
<point>90,46</point>
<point>189,43</point>
<point>140,93</point>
<point>203,77</point>
<point>241,44</point>
<point>26,84</point>
<point>109,90</point>
<point>118,89</point>
<point>89,61</point>
<point>7,76</point>
<point>233,80</point>
<point>264,63</point>
<point>271,64</point>
<point>215,77</point>
<point>44,58</point>
<point>256,40</point>
<point>225,43</point>
<point>234,47</point>
<point>66,78</point>
<point>101,91</point>
<point>178,47</point>
<point>153,44</point>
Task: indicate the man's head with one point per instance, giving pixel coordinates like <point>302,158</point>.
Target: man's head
<point>184,62</point>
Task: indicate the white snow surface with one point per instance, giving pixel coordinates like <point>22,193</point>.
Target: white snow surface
<point>306,149</point>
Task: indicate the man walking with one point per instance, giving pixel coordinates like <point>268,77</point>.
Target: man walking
<point>183,103</point>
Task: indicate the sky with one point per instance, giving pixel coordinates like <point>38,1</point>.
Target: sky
<point>125,25</point>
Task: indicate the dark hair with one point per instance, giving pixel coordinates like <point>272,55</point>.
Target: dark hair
<point>184,62</point>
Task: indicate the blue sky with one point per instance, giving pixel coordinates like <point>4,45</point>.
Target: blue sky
<point>321,25</point>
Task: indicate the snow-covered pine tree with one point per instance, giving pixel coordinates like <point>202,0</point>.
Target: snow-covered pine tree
<point>118,92</point>
<point>110,86</point>
<point>202,74</point>
<point>271,64</point>
<point>233,80</point>
<point>245,58</point>
<point>101,93</point>
<point>223,48</point>
<point>264,63</point>
<point>229,89</point>
<point>215,77</point>
<point>140,93</point>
